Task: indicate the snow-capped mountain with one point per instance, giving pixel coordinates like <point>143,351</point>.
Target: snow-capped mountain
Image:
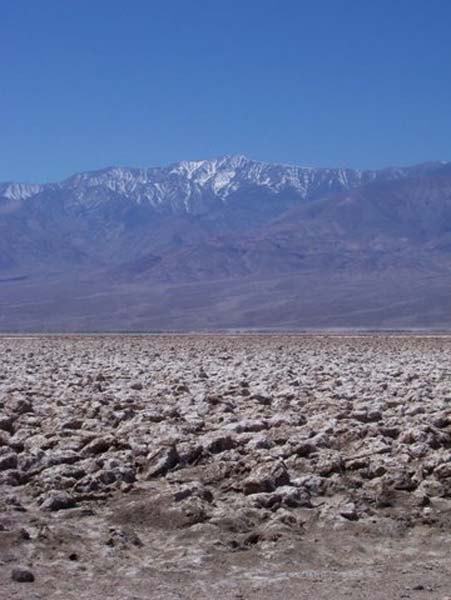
<point>19,191</point>
<point>191,186</point>
<point>227,242</point>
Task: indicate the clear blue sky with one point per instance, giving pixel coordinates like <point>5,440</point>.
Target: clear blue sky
<point>87,84</point>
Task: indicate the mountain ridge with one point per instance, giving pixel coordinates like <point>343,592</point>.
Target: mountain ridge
<point>201,172</point>
<point>227,242</point>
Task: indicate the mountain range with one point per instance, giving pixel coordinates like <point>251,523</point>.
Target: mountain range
<point>228,243</point>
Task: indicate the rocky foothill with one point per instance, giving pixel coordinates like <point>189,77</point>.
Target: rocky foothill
<point>250,466</point>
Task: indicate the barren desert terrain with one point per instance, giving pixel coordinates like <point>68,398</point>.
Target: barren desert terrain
<point>231,466</point>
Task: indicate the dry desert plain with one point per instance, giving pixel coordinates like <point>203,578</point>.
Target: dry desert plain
<point>137,467</point>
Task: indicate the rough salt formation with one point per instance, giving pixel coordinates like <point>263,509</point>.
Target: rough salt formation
<point>245,441</point>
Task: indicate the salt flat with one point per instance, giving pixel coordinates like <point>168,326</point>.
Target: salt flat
<point>247,466</point>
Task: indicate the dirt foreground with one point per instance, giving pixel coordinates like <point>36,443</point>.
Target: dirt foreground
<point>225,466</point>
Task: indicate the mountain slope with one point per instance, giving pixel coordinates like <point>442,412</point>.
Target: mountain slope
<point>227,242</point>
<point>405,222</point>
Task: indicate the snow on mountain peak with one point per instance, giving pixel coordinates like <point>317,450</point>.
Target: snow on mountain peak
<point>19,191</point>
<point>190,184</point>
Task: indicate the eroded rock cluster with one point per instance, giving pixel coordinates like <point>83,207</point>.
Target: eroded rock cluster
<point>255,436</point>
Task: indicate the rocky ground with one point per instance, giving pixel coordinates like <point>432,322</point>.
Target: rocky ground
<point>243,466</point>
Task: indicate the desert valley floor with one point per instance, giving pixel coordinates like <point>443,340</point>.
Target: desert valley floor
<point>230,466</point>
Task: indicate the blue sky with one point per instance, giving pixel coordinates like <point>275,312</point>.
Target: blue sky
<point>358,83</point>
